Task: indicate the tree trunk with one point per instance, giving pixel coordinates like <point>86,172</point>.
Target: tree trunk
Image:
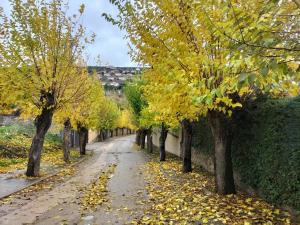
<point>111,133</point>
<point>186,146</point>
<point>42,124</point>
<point>149,140</point>
<point>67,140</point>
<point>181,143</point>
<point>143,137</point>
<point>99,137</point>
<point>162,142</point>
<point>117,132</point>
<point>83,139</point>
<point>138,137</point>
<point>222,134</point>
<point>104,135</point>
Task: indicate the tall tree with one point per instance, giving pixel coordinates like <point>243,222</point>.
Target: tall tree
<point>137,103</point>
<point>40,48</point>
<point>125,120</point>
<point>109,115</point>
<point>85,114</point>
<point>143,119</point>
<point>198,69</point>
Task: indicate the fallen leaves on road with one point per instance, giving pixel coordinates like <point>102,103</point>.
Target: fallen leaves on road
<point>68,171</point>
<point>96,194</point>
<point>177,198</point>
<point>34,190</point>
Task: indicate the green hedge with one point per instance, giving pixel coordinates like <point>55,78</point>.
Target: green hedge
<point>266,148</point>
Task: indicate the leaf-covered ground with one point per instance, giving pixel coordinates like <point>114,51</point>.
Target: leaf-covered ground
<point>177,198</point>
<point>96,194</point>
<point>15,141</point>
<point>33,191</point>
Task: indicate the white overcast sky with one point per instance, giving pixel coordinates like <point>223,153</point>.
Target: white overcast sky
<point>109,43</point>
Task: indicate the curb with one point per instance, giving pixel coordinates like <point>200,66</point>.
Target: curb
<point>44,178</point>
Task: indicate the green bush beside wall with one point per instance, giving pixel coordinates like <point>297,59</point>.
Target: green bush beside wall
<point>266,148</point>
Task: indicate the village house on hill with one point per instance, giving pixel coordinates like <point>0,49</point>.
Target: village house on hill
<point>113,78</point>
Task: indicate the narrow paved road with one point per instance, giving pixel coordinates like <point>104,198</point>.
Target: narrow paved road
<point>61,205</point>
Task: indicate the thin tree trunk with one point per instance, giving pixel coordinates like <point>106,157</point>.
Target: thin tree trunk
<point>149,140</point>
<point>186,146</point>
<point>222,134</point>
<point>72,139</point>
<point>67,141</point>
<point>138,137</point>
<point>42,124</point>
<point>143,137</point>
<point>83,139</point>
<point>111,133</point>
<point>117,132</point>
<point>104,135</point>
<point>181,143</point>
<point>162,142</point>
<point>100,136</point>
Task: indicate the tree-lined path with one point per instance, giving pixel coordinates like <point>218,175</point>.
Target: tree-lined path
<point>215,83</point>
<point>62,204</point>
<point>120,184</point>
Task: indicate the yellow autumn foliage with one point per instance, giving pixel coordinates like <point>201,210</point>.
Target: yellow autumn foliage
<point>126,120</point>
<point>197,62</point>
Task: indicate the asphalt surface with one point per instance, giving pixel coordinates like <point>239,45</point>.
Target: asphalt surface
<point>61,205</point>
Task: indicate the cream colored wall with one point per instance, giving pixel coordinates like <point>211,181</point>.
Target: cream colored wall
<point>172,142</point>
<point>93,136</point>
<point>173,146</point>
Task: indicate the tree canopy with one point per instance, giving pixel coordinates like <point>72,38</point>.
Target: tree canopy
<point>41,49</point>
<point>206,58</point>
<point>193,61</point>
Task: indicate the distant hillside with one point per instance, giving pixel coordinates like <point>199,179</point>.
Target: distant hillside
<point>114,77</point>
